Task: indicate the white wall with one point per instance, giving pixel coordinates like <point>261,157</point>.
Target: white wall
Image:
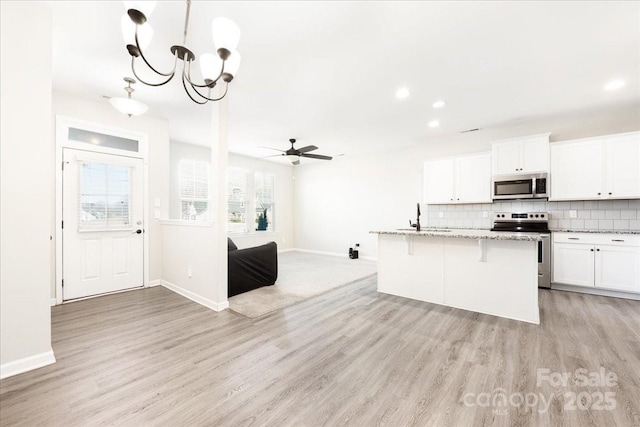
<point>337,203</point>
<point>25,156</point>
<point>158,130</point>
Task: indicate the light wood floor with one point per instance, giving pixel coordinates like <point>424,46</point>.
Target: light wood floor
<point>348,357</point>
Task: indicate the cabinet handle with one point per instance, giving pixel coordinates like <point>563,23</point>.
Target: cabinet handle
<point>574,238</point>
<point>617,240</point>
<point>610,193</point>
<point>591,250</point>
<point>599,194</point>
<point>598,250</point>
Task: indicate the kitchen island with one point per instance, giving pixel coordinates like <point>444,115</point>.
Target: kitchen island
<point>487,272</point>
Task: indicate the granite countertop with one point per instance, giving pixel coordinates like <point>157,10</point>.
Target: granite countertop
<point>598,231</point>
<point>463,233</point>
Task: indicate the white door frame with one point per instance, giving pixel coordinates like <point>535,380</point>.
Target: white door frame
<point>63,123</point>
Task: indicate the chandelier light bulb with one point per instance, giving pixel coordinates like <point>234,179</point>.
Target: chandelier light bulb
<point>145,32</point>
<point>226,34</point>
<point>146,7</point>
<point>210,66</point>
<point>232,64</point>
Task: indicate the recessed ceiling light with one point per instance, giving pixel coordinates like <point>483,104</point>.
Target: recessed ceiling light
<point>402,93</point>
<point>615,84</point>
<point>434,124</point>
<point>438,104</point>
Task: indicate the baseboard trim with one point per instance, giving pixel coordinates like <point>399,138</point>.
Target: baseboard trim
<point>153,283</point>
<point>210,304</point>
<point>53,302</point>
<point>27,364</point>
<point>309,251</point>
<point>595,291</point>
<point>281,251</point>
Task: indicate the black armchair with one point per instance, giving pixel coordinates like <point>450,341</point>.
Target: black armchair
<point>251,268</point>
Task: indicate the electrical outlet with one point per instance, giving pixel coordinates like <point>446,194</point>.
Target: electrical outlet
<point>573,214</point>
<point>440,214</point>
<point>189,271</point>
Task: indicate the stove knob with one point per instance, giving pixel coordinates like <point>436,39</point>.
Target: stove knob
<point>542,216</point>
<point>530,216</point>
<point>536,215</point>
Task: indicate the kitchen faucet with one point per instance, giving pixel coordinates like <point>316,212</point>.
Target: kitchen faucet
<point>417,224</point>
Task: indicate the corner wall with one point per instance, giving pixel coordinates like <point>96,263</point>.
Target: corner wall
<point>25,198</point>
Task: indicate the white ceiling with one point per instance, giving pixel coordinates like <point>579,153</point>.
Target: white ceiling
<point>326,72</point>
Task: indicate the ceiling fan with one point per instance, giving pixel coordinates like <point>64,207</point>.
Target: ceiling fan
<point>294,154</point>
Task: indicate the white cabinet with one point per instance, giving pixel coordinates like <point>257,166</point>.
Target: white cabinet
<point>439,181</point>
<point>606,167</point>
<point>617,267</point>
<point>462,179</point>
<point>573,264</point>
<point>521,155</point>
<point>606,261</point>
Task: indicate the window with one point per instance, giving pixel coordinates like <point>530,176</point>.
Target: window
<point>194,190</point>
<point>105,196</point>
<point>264,188</point>
<point>237,200</point>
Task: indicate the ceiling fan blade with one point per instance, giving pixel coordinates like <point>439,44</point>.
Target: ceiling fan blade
<point>273,155</point>
<point>297,162</point>
<point>316,156</point>
<point>307,148</point>
<point>269,148</point>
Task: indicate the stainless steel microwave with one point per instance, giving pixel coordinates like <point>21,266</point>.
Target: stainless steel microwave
<point>522,186</point>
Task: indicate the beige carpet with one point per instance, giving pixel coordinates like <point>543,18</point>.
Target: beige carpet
<point>301,276</point>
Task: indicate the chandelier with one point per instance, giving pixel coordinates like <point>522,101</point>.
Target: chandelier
<point>224,65</point>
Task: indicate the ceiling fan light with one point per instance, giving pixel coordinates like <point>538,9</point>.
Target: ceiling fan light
<point>146,7</point>
<point>210,66</point>
<point>226,34</point>
<point>129,106</point>
<point>232,64</point>
<point>145,32</point>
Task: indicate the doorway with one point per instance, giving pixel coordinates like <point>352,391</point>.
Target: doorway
<point>102,209</point>
<point>102,223</point>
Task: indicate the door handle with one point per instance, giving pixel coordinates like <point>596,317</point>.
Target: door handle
<point>137,232</point>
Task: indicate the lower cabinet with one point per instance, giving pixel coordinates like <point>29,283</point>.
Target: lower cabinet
<point>607,261</point>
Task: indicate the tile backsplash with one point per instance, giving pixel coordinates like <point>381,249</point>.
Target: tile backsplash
<point>590,215</point>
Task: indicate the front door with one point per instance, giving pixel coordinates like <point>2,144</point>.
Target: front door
<point>103,246</point>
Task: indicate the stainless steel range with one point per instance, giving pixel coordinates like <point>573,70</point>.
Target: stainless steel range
<point>530,222</point>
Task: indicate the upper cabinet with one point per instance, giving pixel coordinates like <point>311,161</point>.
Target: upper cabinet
<point>461,179</point>
<point>521,155</point>
<point>606,167</point>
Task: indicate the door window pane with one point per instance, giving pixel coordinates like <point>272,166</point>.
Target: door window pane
<point>105,196</point>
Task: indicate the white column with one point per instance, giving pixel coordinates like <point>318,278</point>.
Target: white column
<point>218,185</point>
